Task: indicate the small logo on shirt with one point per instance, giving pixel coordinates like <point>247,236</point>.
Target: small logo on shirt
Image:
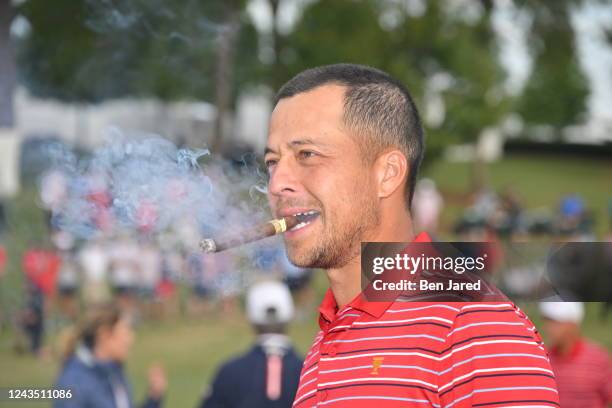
<point>376,364</point>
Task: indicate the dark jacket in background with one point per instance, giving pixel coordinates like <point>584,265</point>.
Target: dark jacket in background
<point>95,384</point>
<point>240,383</point>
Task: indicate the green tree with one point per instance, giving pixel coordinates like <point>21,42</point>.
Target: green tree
<point>556,91</point>
<point>87,51</point>
<point>415,48</point>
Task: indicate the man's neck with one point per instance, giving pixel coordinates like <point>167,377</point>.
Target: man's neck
<point>566,348</point>
<point>345,282</point>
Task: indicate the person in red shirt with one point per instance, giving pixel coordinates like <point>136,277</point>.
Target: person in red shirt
<point>344,147</point>
<point>582,368</point>
<point>2,260</point>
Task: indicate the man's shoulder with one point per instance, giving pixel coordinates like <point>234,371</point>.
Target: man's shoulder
<point>75,371</point>
<point>242,360</point>
<point>468,317</point>
<point>454,311</point>
<point>595,350</point>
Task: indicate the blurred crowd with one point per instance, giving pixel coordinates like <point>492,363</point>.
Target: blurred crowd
<point>156,274</point>
<point>139,275</point>
<point>109,257</point>
<point>490,214</point>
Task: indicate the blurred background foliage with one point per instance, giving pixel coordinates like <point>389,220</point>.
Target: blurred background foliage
<point>87,51</point>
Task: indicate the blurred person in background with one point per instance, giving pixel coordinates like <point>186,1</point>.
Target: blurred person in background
<point>272,260</point>
<point>203,272</point>
<point>68,274</point>
<point>2,260</point>
<point>41,266</point>
<point>150,267</point>
<point>574,220</point>
<point>267,375</point>
<point>94,259</point>
<point>299,282</point>
<point>583,369</point>
<point>508,220</point>
<point>427,205</point>
<point>124,269</point>
<point>33,318</point>
<point>94,359</point>
<point>68,285</point>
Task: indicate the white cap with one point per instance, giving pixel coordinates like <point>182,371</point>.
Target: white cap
<point>269,302</point>
<point>567,312</point>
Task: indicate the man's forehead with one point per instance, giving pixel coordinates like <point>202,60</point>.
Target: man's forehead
<point>307,114</point>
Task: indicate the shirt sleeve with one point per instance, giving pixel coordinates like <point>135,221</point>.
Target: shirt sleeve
<point>493,356</point>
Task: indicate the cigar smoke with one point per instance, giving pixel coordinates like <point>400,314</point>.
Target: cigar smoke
<point>146,185</point>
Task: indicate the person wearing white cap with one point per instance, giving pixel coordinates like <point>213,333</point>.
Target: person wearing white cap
<point>583,369</point>
<point>268,374</point>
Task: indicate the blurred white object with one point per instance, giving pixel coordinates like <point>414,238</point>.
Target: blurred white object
<point>568,312</point>
<point>94,259</point>
<point>269,302</point>
<point>53,189</point>
<point>9,163</point>
<point>490,146</point>
<point>427,206</point>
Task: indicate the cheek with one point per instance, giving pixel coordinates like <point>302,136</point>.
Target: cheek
<point>554,331</point>
<point>337,186</point>
<point>128,340</point>
<point>124,341</point>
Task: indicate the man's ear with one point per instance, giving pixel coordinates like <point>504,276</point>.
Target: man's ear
<point>391,172</point>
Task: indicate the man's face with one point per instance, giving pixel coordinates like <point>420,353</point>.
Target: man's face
<point>558,333</point>
<point>316,165</point>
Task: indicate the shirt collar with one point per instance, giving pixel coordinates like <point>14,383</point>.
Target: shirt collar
<point>329,307</point>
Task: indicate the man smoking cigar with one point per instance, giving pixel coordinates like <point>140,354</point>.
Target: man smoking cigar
<point>345,144</point>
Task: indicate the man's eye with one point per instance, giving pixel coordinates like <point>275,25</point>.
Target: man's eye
<point>270,163</point>
<point>305,154</point>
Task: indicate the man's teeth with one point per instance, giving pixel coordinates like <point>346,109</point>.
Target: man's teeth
<point>304,222</point>
<point>300,225</point>
<point>306,213</point>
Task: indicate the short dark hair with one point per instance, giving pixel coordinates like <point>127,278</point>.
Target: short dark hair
<point>375,105</point>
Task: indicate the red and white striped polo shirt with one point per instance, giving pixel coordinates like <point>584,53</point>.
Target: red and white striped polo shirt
<point>409,354</point>
<point>584,376</point>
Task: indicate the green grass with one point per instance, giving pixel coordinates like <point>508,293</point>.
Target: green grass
<point>190,350</point>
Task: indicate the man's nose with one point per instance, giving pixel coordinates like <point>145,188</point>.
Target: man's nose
<point>283,179</point>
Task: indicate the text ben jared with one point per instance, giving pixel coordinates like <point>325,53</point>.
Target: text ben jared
<point>426,272</point>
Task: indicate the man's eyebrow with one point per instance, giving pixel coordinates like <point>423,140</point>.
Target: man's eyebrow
<point>294,143</point>
<point>301,142</point>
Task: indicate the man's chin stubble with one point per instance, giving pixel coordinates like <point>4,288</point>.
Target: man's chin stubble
<point>325,256</point>
<point>338,252</point>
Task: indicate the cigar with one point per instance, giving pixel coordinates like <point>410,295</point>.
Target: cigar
<point>268,229</point>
